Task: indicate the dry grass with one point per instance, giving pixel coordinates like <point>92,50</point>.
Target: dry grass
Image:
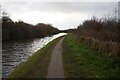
<point>110,48</point>
<point>103,35</point>
<point>80,61</point>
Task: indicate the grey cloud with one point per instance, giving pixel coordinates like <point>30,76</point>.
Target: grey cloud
<point>14,7</point>
<point>67,7</point>
<point>70,7</point>
<point>89,8</point>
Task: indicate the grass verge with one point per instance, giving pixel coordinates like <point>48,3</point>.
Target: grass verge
<point>81,61</point>
<point>36,65</point>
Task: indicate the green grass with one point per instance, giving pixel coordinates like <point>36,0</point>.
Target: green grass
<point>37,65</point>
<point>81,61</point>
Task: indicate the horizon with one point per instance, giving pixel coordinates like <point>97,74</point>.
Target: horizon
<point>62,15</point>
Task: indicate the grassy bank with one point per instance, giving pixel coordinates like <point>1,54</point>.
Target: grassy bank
<point>36,65</point>
<point>102,34</point>
<point>81,61</point>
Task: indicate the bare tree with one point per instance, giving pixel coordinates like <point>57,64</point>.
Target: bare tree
<point>115,13</point>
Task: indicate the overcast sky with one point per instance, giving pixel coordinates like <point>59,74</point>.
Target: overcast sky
<point>63,15</point>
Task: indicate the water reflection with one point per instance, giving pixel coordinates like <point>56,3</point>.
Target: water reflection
<point>13,53</point>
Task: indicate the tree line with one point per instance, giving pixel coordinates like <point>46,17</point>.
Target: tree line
<point>20,30</point>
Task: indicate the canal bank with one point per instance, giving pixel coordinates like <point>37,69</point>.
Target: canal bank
<point>82,62</point>
<point>37,65</point>
<point>16,52</point>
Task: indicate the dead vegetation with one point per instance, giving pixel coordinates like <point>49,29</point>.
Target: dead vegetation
<point>101,34</point>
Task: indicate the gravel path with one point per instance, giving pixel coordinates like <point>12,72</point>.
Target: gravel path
<point>55,68</point>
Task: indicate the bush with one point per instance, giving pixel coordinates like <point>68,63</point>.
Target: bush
<point>103,35</point>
